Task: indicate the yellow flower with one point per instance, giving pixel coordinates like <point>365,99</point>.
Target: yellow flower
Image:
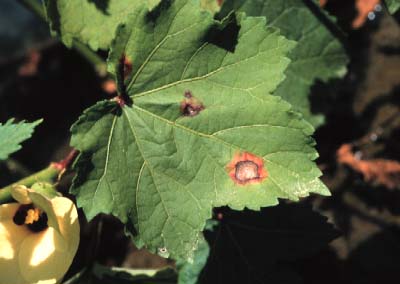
<point>39,237</point>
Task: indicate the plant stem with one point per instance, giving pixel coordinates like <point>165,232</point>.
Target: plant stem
<point>67,162</point>
<point>48,174</point>
<point>35,7</point>
<point>91,56</point>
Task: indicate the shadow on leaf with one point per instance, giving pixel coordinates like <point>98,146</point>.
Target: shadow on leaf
<point>101,5</point>
<point>252,247</point>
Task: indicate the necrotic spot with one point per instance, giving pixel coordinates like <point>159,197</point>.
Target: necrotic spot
<point>246,170</point>
<point>191,106</point>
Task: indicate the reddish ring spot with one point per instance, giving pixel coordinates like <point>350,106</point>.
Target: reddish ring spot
<point>246,168</point>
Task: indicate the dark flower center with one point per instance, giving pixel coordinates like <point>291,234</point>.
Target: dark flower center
<point>25,215</point>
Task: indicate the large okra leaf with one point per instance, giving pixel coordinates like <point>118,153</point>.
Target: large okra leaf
<point>200,128</point>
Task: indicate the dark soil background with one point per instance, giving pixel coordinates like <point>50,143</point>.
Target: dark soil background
<point>40,78</point>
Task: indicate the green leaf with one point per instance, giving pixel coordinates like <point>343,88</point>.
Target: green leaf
<point>113,275</point>
<point>319,55</point>
<point>13,134</point>
<point>393,5</point>
<point>162,171</point>
<point>92,22</point>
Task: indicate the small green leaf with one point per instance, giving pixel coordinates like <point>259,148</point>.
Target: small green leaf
<point>13,134</point>
<point>161,167</point>
<point>319,55</point>
<point>393,5</point>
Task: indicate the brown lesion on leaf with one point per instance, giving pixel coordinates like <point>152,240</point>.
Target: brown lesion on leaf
<point>120,101</point>
<point>125,66</point>
<point>191,106</point>
<point>246,168</point>
<point>123,72</point>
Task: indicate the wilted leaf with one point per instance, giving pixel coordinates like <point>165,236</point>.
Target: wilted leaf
<point>319,55</point>
<point>380,171</point>
<point>31,64</point>
<point>13,134</point>
<point>364,7</point>
<point>160,162</point>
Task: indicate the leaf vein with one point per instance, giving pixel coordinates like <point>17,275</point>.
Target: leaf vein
<point>222,68</point>
<point>106,164</point>
<point>144,159</point>
<point>158,46</point>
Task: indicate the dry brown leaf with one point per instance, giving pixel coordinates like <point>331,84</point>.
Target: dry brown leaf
<point>380,171</point>
<point>30,66</point>
<point>109,86</point>
<point>364,7</point>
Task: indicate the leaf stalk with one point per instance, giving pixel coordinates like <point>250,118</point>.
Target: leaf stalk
<point>48,174</point>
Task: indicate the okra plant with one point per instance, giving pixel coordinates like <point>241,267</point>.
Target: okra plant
<point>211,110</point>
